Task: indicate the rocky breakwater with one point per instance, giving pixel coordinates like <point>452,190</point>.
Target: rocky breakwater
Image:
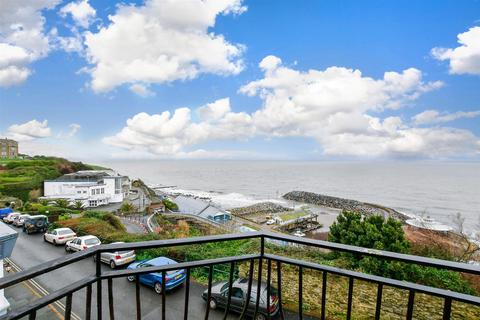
<point>366,209</point>
<point>259,208</point>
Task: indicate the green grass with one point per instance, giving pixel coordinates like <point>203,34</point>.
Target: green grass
<point>20,176</point>
<point>292,215</point>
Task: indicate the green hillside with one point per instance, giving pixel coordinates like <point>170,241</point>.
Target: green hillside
<point>23,178</point>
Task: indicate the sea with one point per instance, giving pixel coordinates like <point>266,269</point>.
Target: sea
<point>439,190</point>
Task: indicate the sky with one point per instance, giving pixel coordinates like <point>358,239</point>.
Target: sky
<point>232,79</point>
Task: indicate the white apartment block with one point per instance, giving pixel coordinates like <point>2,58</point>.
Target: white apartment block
<point>93,188</point>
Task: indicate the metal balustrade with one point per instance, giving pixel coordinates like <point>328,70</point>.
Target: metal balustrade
<point>261,258</point>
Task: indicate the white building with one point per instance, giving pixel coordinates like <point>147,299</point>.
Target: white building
<point>93,187</point>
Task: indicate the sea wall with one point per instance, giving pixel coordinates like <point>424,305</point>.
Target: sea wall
<point>366,209</point>
<point>259,208</point>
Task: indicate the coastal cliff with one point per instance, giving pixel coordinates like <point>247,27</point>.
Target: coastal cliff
<point>343,204</point>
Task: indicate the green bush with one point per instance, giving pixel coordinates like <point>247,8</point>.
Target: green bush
<point>377,233</point>
<point>170,205</point>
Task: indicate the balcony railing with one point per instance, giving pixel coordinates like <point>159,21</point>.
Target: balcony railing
<point>261,257</point>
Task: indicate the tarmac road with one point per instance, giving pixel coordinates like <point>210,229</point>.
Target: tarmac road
<point>30,250</point>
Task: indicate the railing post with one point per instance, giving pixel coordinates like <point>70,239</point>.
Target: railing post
<point>447,309</point>
<point>411,301</point>
<point>279,286</point>
<point>230,284</point>
<point>137,297</point>
<point>88,306</point>
<point>324,295</point>
<point>209,291</point>
<point>269,279</point>
<point>187,294</point>
<point>300,292</point>
<point>110,299</point>
<point>350,298</point>
<point>378,307</point>
<point>98,273</point>
<point>259,285</point>
<point>249,290</point>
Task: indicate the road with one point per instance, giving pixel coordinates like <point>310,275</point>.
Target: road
<point>30,250</point>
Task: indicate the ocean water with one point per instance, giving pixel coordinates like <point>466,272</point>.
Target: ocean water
<point>435,189</point>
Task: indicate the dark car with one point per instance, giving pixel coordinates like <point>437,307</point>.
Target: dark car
<point>219,297</point>
<point>34,224</point>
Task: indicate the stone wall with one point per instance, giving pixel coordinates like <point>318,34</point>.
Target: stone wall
<point>366,209</point>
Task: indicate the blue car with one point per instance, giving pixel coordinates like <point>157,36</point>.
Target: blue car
<point>173,278</point>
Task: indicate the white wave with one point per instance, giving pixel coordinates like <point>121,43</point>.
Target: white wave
<point>224,200</point>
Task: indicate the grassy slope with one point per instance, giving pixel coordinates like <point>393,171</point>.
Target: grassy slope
<point>19,177</point>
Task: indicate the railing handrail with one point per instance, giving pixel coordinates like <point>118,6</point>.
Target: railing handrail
<point>63,261</point>
<point>87,282</point>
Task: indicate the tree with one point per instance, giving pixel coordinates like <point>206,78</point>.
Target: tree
<point>372,232</point>
<point>78,205</point>
<point>468,247</point>
<point>127,207</point>
<point>62,203</point>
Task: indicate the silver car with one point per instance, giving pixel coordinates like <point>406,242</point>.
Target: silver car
<point>117,258</point>
<point>18,221</point>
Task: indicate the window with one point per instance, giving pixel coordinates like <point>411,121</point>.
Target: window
<point>103,190</point>
<point>237,293</point>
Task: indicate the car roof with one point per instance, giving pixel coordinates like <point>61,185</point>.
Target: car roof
<point>243,283</point>
<point>25,215</point>
<point>39,216</point>
<point>61,229</point>
<point>87,237</point>
<point>161,261</point>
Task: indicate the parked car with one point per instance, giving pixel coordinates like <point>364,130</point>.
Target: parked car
<point>38,223</point>
<point>59,235</point>
<point>173,278</point>
<point>19,220</point>
<point>82,243</point>
<point>11,216</point>
<point>219,298</point>
<point>299,233</point>
<point>117,258</point>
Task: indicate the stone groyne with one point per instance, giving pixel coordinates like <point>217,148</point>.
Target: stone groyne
<point>366,209</point>
<point>259,208</point>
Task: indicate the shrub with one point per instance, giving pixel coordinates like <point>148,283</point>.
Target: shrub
<point>170,205</point>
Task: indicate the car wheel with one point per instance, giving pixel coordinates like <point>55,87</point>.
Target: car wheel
<point>131,278</point>
<point>44,238</point>
<point>54,242</point>
<point>112,264</point>
<point>260,317</point>
<point>67,249</point>
<point>158,287</point>
<point>213,304</point>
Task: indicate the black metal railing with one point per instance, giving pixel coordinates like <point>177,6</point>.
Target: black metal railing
<point>261,257</point>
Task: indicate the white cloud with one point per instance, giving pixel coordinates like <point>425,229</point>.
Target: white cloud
<point>81,11</point>
<point>296,103</point>
<point>74,127</point>
<point>333,106</point>
<point>30,130</point>
<point>22,38</point>
<point>162,41</point>
<point>434,116</point>
<point>168,134</point>
<point>142,90</point>
<point>464,58</point>
<point>215,110</point>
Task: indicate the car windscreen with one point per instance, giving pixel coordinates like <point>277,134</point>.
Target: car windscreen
<point>64,232</point>
<point>91,241</point>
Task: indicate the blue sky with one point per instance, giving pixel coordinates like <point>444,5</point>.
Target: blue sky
<point>306,101</point>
